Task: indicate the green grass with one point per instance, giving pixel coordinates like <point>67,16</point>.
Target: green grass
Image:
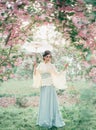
<point>14,118</point>
<point>24,87</point>
<point>81,116</point>
<point>18,88</point>
<point>76,118</point>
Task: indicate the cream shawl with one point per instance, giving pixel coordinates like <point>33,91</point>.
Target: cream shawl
<point>58,78</point>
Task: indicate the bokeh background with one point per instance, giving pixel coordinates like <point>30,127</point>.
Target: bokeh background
<point>68,29</point>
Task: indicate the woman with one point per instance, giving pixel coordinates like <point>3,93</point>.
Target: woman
<point>48,79</point>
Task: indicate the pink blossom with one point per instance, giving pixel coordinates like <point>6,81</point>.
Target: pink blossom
<point>79,20</point>
<point>25,18</point>
<point>9,26</point>
<point>38,24</point>
<point>18,13</point>
<point>83,33</point>
<point>93,61</point>
<point>86,64</point>
<point>14,34</point>
<point>2,18</point>
<point>77,8</point>
<point>26,2</point>
<point>90,43</point>
<point>49,5</point>
<point>42,17</point>
<point>85,45</point>
<point>94,52</point>
<point>10,43</point>
<point>6,32</point>
<point>75,20</point>
<point>36,17</point>
<point>80,15</point>
<point>94,8</point>
<point>9,66</point>
<point>18,62</point>
<point>1,71</point>
<point>57,21</point>
<point>3,57</point>
<point>67,9</point>
<point>92,72</point>
<point>12,76</point>
<point>46,23</point>
<point>5,78</point>
<point>19,2</point>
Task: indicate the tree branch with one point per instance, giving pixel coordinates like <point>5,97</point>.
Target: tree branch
<point>7,39</point>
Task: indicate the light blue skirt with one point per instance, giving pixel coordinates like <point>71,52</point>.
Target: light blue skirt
<point>49,114</point>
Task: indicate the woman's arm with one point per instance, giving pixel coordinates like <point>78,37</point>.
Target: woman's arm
<point>65,66</point>
<point>59,78</point>
<point>34,68</point>
<point>36,76</point>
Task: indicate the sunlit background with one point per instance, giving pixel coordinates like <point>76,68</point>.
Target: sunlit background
<point>68,29</point>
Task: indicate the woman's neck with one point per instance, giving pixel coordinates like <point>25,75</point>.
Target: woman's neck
<point>46,62</point>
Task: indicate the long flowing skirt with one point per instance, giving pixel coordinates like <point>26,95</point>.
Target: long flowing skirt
<point>49,114</point>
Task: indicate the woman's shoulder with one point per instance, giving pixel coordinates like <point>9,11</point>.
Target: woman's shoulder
<point>41,64</point>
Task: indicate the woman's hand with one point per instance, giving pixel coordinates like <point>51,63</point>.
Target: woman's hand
<point>66,65</point>
<point>35,64</point>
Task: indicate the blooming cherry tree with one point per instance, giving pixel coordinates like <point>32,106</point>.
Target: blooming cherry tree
<point>75,19</point>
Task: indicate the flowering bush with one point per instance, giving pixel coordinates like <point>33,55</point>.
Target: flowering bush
<point>75,19</point>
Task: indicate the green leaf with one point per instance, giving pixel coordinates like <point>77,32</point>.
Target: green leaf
<point>1,39</point>
<point>93,2</point>
<point>15,69</point>
<point>0,23</point>
<point>94,13</point>
<point>88,57</point>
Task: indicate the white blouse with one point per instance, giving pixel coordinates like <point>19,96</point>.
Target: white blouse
<point>47,75</point>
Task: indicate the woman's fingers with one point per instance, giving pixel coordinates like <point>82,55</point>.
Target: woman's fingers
<point>34,64</point>
<point>66,65</point>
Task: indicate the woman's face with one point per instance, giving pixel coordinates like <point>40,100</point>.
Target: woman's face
<point>47,58</point>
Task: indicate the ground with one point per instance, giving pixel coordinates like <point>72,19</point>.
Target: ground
<point>19,106</point>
